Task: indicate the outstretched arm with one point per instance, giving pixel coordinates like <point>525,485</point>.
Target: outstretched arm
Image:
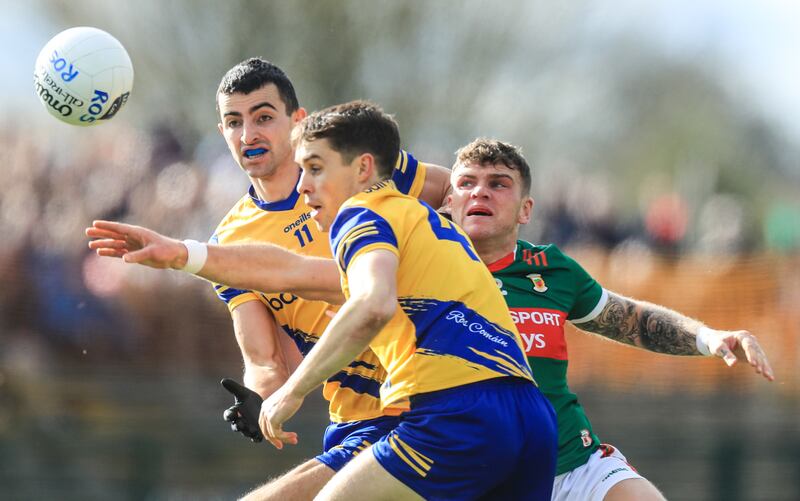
<point>659,329</point>
<point>262,267</point>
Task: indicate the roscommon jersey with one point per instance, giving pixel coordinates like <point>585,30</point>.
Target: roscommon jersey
<point>354,391</point>
<point>451,327</point>
<point>544,288</point>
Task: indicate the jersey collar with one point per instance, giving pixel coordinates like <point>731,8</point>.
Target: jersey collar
<point>503,262</point>
<point>383,183</point>
<point>287,203</point>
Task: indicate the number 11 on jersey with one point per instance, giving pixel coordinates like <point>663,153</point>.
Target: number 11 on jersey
<point>303,239</point>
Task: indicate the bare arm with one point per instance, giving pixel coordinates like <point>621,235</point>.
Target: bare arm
<point>659,329</point>
<point>373,302</point>
<point>437,185</point>
<point>645,325</point>
<point>257,333</point>
<point>262,267</point>
<point>291,353</point>
<point>271,269</point>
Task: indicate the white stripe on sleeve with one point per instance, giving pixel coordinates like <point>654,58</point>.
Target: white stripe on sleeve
<point>601,303</point>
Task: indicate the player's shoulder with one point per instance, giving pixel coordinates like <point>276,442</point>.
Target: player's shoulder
<point>380,207</point>
<point>548,259</point>
<point>236,212</point>
<point>549,249</point>
<point>541,255</point>
<point>524,244</point>
<point>360,207</point>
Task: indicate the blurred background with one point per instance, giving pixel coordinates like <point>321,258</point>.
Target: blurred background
<point>665,142</point>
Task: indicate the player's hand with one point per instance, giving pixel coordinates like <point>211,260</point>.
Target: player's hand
<point>243,414</point>
<point>732,345</point>
<point>135,244</point>
<point>276,410</point>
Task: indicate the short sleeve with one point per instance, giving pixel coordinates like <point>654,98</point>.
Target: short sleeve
<point>234,297</point>
<point>228,295</point>
<point>357,230</point>
<point>590,297</point>
<point>409,175</point>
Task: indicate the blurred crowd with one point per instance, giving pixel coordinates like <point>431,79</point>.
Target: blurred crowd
<point>60,295</point>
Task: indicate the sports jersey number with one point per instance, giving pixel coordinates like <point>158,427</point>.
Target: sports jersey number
<point>448,232</point>
<point>299,235</point>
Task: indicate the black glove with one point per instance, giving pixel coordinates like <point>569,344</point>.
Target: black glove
<point>243,414</point>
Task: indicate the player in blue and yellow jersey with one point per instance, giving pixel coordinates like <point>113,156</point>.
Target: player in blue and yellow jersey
<point>545,288</point>
<point>353,392</point>
<point>258,108</point>
<point>472,423</point>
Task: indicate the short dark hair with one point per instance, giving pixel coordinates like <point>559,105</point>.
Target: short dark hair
<point>352,129</point>
<point>254,73</point>
<point>483,151</point>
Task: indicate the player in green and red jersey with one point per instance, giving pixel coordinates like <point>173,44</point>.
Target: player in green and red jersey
<point>545,288</point>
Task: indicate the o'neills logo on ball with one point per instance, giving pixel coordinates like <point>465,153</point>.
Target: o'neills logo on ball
<point>538,282</point>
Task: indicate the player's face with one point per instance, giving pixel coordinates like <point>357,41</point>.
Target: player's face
<point>327,181</point>
<point>487,201</point>
<point>256,129</point>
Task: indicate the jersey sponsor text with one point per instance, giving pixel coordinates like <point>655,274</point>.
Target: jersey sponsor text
<point>542,331</point>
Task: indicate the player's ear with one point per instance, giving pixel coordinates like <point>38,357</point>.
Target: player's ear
<point>366,167</point>
<point>298,115</point>
<point>525,211</point>
<point>219,127</point>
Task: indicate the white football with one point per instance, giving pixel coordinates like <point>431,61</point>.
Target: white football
<point>83,76</point>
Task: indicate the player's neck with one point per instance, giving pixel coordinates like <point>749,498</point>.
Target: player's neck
<point>369,183</point>
<point>279,185</point>
<point>494,249</point>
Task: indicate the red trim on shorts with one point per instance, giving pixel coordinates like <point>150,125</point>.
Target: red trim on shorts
<point>609,450</point>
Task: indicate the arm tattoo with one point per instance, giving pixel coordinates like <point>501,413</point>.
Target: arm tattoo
<point>645,325</point>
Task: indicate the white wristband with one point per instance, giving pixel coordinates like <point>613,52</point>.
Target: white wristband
<point>702,340</point>
<point>197,255</point>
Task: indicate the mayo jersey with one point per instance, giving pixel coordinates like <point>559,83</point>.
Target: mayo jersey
<point>544,288</point>
<point>451,327</point>
<point>353,392</point>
